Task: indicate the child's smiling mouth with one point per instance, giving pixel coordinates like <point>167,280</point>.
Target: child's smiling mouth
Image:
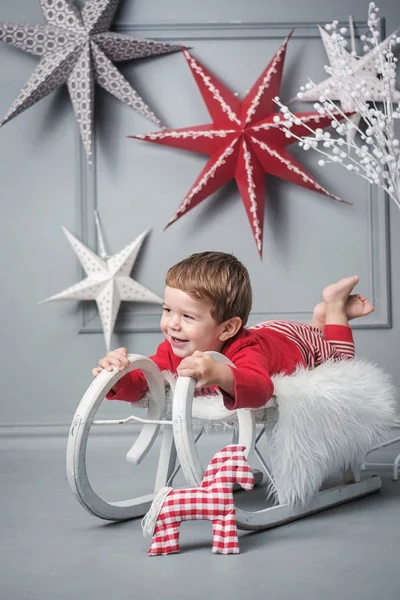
<point>178,342</point>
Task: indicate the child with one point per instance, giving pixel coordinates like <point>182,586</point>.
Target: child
<point>207,302</point>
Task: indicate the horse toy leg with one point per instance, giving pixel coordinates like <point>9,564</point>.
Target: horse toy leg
<point>165,539</point>
<point>225,538</point>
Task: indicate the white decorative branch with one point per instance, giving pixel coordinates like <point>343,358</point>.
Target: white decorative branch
<point>374,153</point>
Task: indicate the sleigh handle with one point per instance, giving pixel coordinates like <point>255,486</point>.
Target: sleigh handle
<point>183,431</point>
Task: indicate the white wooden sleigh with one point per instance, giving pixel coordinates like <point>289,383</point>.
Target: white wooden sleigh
<point>322,421</point>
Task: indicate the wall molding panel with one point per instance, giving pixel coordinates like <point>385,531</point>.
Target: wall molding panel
<point>376,244</point>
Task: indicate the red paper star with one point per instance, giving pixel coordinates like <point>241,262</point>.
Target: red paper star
<point>244,142</point>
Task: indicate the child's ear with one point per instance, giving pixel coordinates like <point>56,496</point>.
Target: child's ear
<point>230,328</point>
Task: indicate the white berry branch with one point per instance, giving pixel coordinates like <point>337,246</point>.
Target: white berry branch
<point>374,153</point>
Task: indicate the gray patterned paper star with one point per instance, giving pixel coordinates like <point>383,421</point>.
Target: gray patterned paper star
<point>108,281</point>
<point>77,49</point>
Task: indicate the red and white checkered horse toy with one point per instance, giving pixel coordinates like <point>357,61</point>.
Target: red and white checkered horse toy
<point>212,501</point>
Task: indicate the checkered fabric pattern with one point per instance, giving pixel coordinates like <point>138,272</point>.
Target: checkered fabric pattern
<point>212,501</point>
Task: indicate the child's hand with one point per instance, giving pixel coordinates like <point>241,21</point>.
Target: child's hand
<point>117,358</point>
<point>201,367</point>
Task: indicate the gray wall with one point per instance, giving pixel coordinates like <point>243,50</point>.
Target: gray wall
<point>48,350</point>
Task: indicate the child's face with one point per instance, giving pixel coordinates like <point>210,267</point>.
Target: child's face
<point>188,325</point>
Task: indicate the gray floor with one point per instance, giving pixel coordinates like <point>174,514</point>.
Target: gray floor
<point>51,548</point>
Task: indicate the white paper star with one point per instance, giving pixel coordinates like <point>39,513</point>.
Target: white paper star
<point>108,281</point>
<point>363,68</point>
<point>77,49</point>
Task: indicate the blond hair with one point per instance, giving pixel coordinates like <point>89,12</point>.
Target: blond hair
<point>218,278</point>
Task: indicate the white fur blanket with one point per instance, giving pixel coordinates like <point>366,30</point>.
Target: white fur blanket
<point>329,417</point>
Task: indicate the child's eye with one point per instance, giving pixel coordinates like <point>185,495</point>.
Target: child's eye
<point>188,317</point>
<point>167,310</point>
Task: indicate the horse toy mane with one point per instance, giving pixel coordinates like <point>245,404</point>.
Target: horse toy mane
<point>212,501</point>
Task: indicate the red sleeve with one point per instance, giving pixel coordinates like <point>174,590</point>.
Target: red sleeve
<point>340,333</point>
<point>253,384</point>
<point>133,385</point>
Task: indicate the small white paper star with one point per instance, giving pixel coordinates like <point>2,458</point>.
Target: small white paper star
<point>363,69</point>
<point>108,281</point>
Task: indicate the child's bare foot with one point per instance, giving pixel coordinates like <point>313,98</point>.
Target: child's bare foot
<point>338,293</point>
<point>358,306</point>
<point>355,307</point>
